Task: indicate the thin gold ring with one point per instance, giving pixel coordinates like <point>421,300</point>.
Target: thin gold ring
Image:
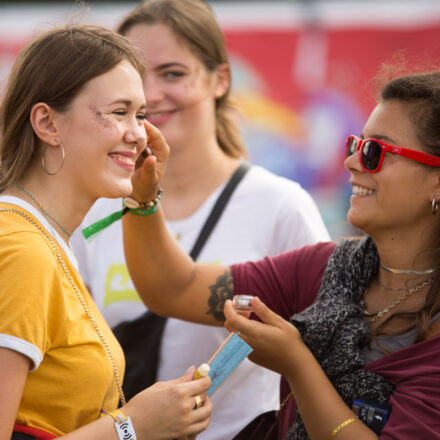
<point>198,402</point>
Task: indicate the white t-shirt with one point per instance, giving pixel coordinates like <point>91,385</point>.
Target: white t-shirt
<point>265,216</point>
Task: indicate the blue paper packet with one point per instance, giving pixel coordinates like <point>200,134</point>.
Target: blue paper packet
<point>227,360</point>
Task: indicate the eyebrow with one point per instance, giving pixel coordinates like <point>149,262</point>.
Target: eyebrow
<point>172,64</point>
<point>379,137</point>
<point>126,102</point>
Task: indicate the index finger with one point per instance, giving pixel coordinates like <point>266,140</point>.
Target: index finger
<point>198,386</point>
<point>156,141</point>
<point>237,323</point>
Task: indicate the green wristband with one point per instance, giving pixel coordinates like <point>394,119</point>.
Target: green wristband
<point>95,228</point>
<point>143,212</point>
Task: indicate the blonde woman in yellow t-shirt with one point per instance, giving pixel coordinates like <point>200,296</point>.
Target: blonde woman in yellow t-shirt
<point>73,127</point>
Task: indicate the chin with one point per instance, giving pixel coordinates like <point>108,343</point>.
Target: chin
<point>358,221</point>
<point>118,191</point>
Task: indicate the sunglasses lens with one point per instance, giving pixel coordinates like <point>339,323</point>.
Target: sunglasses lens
<point>371,155</point>
<point>351,146</point>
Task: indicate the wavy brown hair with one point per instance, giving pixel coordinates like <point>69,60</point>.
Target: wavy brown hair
<point>421,92</point>
<point>194,23</point>
<point>52,69</point>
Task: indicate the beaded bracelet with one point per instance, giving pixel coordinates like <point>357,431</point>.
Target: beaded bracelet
<point>339,427</point>
<point>132,203</point>
<point>123,425</point>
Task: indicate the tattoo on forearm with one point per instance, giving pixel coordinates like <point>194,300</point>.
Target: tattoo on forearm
<point>222,290</point>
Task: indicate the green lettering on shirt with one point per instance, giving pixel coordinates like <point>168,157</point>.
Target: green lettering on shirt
<point>117,285</point>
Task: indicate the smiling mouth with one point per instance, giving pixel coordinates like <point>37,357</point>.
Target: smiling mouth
<point>160,117</point>
<point>161,113</point>
<point>121,158</point>
<point>362,191</point>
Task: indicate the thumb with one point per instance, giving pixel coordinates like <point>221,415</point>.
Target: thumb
<point>265,314</point>
<point>189,375</point>
<point>147,168</point>
<point>144,180</point>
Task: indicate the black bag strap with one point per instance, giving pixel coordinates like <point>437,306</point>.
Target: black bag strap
<point>218,208</point>
<point>141,338</point>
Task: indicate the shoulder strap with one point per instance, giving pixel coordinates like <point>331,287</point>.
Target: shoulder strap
<point>218,208</point>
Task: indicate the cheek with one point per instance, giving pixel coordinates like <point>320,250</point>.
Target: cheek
<point>101,121</point>
<point>197,86</point>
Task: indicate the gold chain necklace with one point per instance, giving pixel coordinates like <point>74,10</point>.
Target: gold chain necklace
<point>45,213</point>
<point>401,298</point>
<point>78,294</point>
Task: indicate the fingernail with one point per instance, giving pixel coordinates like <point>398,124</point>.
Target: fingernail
<point>192,367</point>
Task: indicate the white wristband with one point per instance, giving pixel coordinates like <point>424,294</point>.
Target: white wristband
<point>123,425</point>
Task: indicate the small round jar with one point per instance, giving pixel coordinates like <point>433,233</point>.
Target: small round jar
<point>242,303</point>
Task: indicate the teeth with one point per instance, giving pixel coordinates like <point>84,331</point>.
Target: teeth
<point>362,191</point>
<point>124,159</point>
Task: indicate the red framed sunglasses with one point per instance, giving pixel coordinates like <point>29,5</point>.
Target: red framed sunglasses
<point>372,153</point>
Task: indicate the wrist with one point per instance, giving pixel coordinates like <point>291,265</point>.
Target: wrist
<point>123,425</point>
<point>298,356</point>
<point>132,203</point>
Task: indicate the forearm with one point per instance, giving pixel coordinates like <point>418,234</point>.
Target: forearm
<point>159,267</point>
<point>165,276</point>
<point>320,406</point>
<point>102,429</point>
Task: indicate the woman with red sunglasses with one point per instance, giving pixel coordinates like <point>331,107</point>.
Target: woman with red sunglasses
<point>352,326</point>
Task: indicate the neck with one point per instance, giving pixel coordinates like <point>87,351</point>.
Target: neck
<point>410,257</point>
<point>54,200</point>
<point>192,174</point>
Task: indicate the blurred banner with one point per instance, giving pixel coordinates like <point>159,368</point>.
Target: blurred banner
<point>301,74</point>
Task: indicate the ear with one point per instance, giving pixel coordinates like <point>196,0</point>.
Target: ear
<point>42,119</point>
<point>223,79</point>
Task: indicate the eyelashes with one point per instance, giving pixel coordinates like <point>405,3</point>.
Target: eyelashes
<point>140,116</point>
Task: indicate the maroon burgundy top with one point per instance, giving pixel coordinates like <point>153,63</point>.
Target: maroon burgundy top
<point>288,283</point>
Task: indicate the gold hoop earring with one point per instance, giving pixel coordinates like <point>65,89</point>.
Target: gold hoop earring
<point>62,161</point>
<point>434,205</point>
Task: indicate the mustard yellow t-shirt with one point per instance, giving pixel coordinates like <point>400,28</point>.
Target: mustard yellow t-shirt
<point>40,313</point>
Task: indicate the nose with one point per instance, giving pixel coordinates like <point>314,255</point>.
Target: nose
<point>135,133</point>
<point>152,89</point>
<point>352,163</point>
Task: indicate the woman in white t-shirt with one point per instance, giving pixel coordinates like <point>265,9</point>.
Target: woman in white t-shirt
<point>187,86</point>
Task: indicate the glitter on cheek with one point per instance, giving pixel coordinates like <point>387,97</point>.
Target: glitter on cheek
<point>102,119</point>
